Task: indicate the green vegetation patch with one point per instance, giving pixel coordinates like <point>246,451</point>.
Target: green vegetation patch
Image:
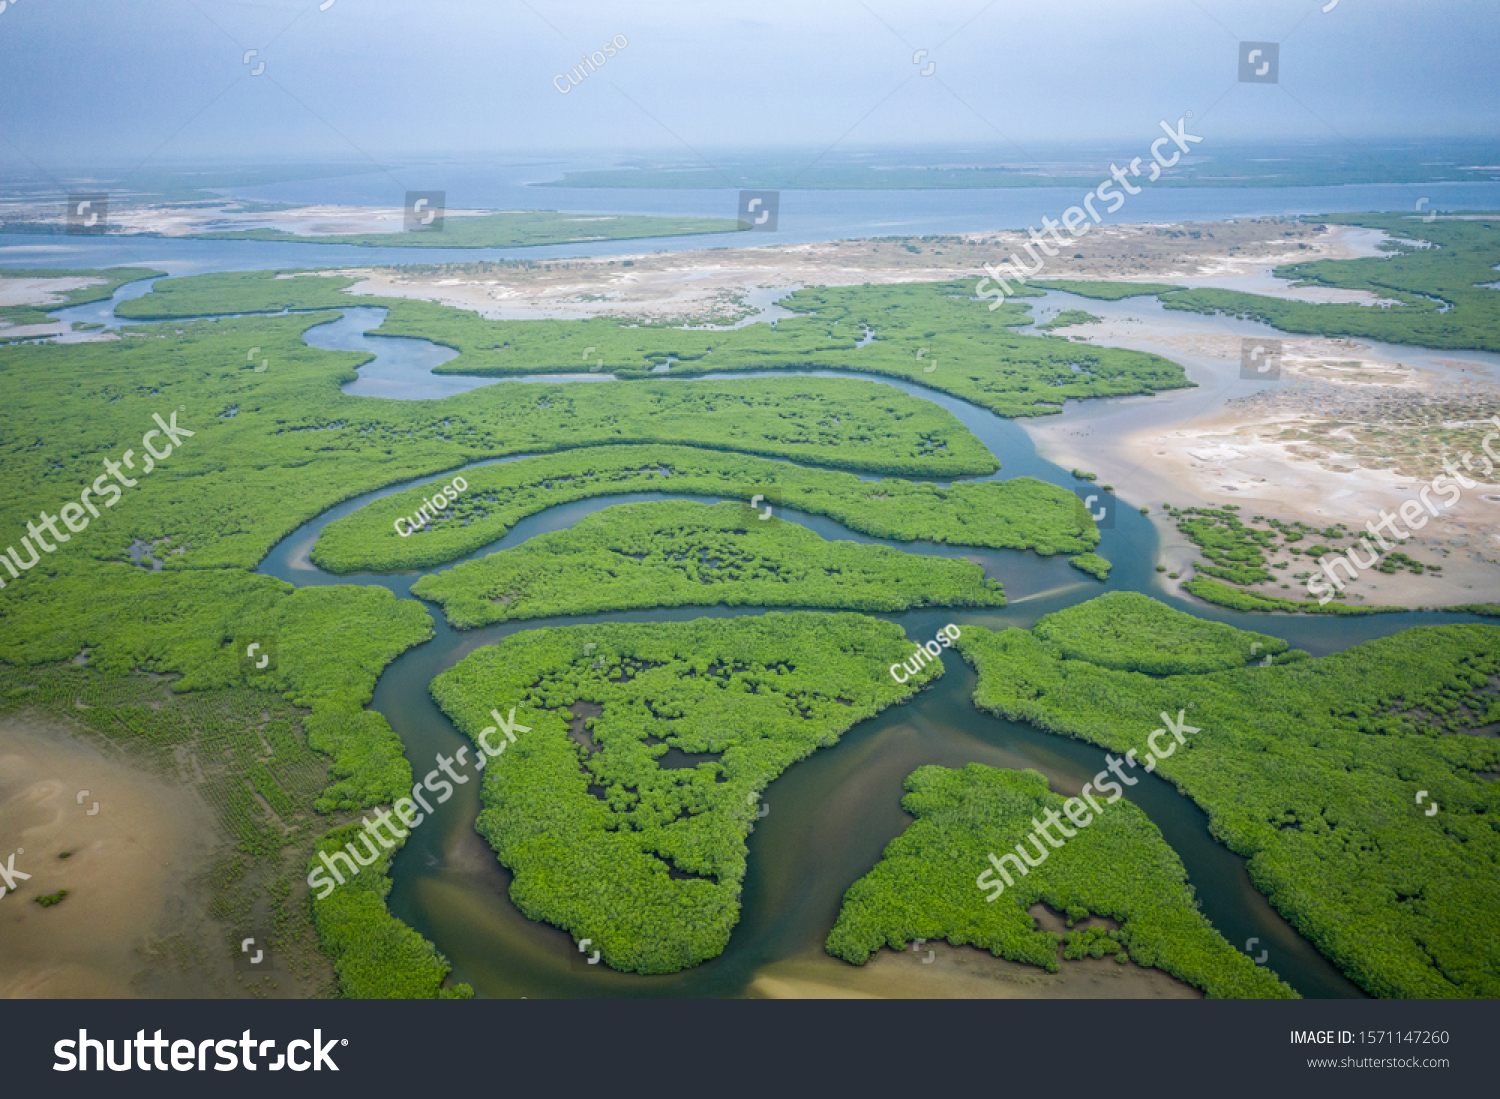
<point>272,449</point>
<point>1486,610</point>
<point>1237,599</point>
<point>1242,553</point>
<point>1067,318</point>
<point>1093,564</point>
<point>1311,770</point>
<point>234,292</point>
<point>1104,291</point>
<point>623,807</point>
<point>676,553</point>
<point>1118,867</point>
<point>1436,286</point>
<point>1022,513</point>
<point>930,334</point>
<point>1128,631</point>
<point>375,955</point>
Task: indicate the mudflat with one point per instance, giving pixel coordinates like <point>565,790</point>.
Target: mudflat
<point>134,921</point>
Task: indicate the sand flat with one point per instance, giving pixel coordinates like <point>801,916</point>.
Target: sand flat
<point>962,973</point>
<point>133,877</point>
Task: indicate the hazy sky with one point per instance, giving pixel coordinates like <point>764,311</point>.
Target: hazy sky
<point>157,81</point>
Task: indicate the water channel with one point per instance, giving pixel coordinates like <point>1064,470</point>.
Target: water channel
<point>831,815</point>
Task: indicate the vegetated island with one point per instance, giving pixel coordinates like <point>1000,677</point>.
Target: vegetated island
<point>1309,769</point>
<point>1067,319</point>
<point>623,808</point>
<point>1239,556</point>
<point>677,553</point>
<point>931,334</point>
<point>1434,289</point>
<point>1021,513</point>
<point>1116,868</point>
<point>1091,563</point>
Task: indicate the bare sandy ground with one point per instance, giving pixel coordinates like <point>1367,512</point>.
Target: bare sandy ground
<point>41,293</point>
<point>713,284</point>
<point>963,973</point>
<point>134,921</point>
<point>232,215</point>
<point>933,971</point>
<point>1301,449</point>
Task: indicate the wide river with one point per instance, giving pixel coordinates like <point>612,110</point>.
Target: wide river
<point>831,815</point>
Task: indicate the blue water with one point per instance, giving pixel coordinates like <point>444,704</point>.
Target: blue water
<point>804,216</point>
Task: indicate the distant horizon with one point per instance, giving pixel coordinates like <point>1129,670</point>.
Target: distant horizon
<point>160,82</point>
<point>1474,153</point>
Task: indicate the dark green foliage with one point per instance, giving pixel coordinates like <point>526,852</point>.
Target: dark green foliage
<point>1439,275</point>
<point>1104,291</point>
<point>977,355</point>
<point>232,292</point>
<point>966,350</point>
<point>1441,287</point>
<point>1310,769</point>
<point>1237,550</point>
<point>1212,591</point>
<point>1093,564</point>
<point>677,553</point>
<point>1067,318</point>
<point>1240,552</point>
<point>1132,632</point>
<point>1117,867</point>
<point>616,844</point>
<point>1022,513</point>
<point>332,642</point>
<point>375,955</point>
<point>1396,561</point>
<point>295,445</point>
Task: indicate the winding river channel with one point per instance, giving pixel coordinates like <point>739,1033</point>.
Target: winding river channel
<point>831,815</point>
